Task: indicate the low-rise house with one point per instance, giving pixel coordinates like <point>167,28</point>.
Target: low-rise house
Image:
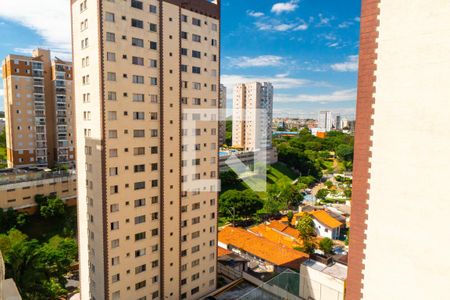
<point>230,264</point>
<point>278,232</point>
<point>326,225</point>
<point>321,281</point>
<point>261,253</point>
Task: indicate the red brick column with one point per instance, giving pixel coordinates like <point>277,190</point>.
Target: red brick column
<point>361,170</point>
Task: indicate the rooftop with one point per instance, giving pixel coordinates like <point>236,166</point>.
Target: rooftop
<point>324,218</point>
<point>337,270</point>
<point>275,253</point>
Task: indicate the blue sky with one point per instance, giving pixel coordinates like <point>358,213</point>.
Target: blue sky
<point>307,48</point>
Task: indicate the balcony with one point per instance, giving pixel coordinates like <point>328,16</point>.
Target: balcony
<point>38,90</point>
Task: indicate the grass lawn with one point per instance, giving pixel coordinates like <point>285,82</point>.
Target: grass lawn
<point>278,172</point>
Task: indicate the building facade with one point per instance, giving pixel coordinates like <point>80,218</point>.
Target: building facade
<point>222,115</point>
<point>252,116</point>
<point>325,121</point>
<point>147,214</point>
<point>400,180</point>
<point>38,110</point>
<point>19,186</point>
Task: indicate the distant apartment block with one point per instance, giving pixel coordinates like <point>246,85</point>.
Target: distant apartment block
<point>222,115</point>
<point>19,186</point>
<point>38,110</point>
<point>325,121</point>
<point>400,207</point>
<point>252,116</point>
<point>148,215</point>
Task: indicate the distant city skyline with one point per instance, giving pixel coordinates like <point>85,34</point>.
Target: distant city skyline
<point>307,49</point>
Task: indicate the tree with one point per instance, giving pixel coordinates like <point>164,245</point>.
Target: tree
<point>54,207</point>
<point>326,245</point>
<point>322,194</point>
<point>345,152</point>
<point>328,184</point>
<point>290,216</point>
<point>228,178</point>
<point>307,231</point>
<point>305,227</point>
<point>243,204</point>
<point>11,219</point>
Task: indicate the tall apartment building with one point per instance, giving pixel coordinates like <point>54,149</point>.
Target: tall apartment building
<point>222,115</point>
<point>38,110</point>
<point>325,121</point>
<point>338,122</point>
<point>399,218</point>
<point>252,115</point>
<point>141,68</point>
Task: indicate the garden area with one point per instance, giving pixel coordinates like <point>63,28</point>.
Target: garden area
<point>39,250</point>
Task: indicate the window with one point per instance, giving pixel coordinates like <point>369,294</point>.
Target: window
<point>153,27</point>
<point>184,18</point>
<point>114,189</point>
<point>137,42</point>
<point>140,269</point>
<point>153,63</point>
<point>115,261</point>
<point>214,27</point>
<point>109,17</point>
<point>196,22</point>
<point>154,98</point>
<point>155,200</point>
<point>196,101</point>
<point>154,216</point>
<point>115,243</point>
<point>183,68</point>
<point>196,70</point>
<point>111,76</point>
<point>139,219</point>
<point>154,248</point>
<point>196,38</point>
<point>111,56</point>
<point>138,79</point>
<point>139,253</point>
<point>138,61</point>
<point>137,23</point>
<point>153,9</point>
<point>112,115</point>
<point>137,4</point>
<point>195,220</point>
<point>154,150</point>
<point>139,168</point>
<point>112,96</point>
<point>155,232</point>
<point>153,81</point>
<point>184,51</point>
<point>140,285</point>
<point>110,37</point>
<point>196,85</point>
<point>112,152</point>
<point>139,236</point>
<point>155,294</point>
<point>153,45</point>
<point>139,185</point>
<point>196,54</point>
<point>139,202</point>
<point>153,116</point>
<point>154,183</point>
<point>115,278</point>
<point>138,97</point>
<point>195,276</point>
<point>112,134</point>
<point>114,225</point>
<point>184,35</point>
<point>139,151</point>
<point>154,133</point>
<point>155,264</point>
<point>214,42</point>
<point>195,290</point>
<point>138,115</point>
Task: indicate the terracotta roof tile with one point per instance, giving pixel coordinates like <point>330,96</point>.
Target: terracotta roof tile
<point>324,218</point>
<point>221,252</point>
<point>275,253</point>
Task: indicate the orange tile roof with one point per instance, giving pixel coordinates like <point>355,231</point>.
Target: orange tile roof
<point>285,229</point>
<point>275,253</point>
<point>324,218</point>
<point>274,236</point>
<point>221,251</point>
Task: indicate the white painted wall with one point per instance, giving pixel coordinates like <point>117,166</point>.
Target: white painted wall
<point>408,233</point>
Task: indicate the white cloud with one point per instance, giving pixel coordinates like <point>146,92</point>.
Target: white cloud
<point>275,25</point>
<point>336,96</point>
<point>255,14</point>
<point>279,83</point>
<point>324,21</point>
<point>282,7</point>
<point>351,65</point>
<point>257,61</point>
<point>357,19</point>
<point>345,24</point>
<point>47,18</point>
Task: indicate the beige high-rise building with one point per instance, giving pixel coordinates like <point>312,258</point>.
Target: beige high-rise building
<point>38,110</point>
<point>222,115</point>
<point>252,116</point>
<point>141,67</point>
